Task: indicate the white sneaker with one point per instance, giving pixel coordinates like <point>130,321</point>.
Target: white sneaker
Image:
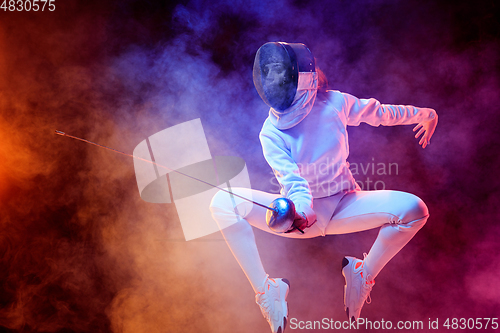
<point>358,286</point>
<point>271,298</point>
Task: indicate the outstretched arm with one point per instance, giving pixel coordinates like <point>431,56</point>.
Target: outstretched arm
<point>370,111</point>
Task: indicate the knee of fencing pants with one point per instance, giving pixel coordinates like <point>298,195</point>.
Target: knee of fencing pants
<point>410,213</point>
<point>412,226</point>
<point>226,210</point>
<point>414,209</point>
<point>416,215</point>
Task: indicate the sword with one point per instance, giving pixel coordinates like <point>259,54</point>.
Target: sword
<point>164,167</point>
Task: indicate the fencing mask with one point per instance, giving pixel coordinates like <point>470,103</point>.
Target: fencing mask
<point>276,72</point>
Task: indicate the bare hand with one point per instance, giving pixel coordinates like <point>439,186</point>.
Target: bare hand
<point>427,128</point>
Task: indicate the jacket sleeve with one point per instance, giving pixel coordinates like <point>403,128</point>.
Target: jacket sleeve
<point>293,185</point>
<point>370,111</point>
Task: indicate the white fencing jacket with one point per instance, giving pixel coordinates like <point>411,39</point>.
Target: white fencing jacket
<point>307,144</point>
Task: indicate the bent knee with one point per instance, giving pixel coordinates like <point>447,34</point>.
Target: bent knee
<point>415,210</point>
<point>221,205</point>
<point>224,206</point>
<point>219,201</point>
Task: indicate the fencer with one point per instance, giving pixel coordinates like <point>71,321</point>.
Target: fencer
<point>305,142</point>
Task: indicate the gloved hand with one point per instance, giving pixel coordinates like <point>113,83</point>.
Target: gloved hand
<point>299,224</point>
<point>426,127</point>
<point>283,218</point>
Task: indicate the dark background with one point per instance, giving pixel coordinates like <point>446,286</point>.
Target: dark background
<point>81,252</point>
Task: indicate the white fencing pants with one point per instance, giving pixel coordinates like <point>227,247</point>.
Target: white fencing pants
<point>398,214</point>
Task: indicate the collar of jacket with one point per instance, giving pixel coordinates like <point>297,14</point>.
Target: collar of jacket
<point>302,104</point>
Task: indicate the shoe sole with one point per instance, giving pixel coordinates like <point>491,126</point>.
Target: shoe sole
<point>347,273</point>
<point>285,290</point>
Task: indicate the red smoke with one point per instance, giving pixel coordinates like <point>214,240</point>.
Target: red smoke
<point>80,251</point>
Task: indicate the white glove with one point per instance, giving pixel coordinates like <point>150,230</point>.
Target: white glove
<point>300,223</point>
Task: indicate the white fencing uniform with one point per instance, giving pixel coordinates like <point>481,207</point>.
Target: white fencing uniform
<point>307,148</point>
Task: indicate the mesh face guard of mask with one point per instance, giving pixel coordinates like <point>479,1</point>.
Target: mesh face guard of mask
<point>276,72</point>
